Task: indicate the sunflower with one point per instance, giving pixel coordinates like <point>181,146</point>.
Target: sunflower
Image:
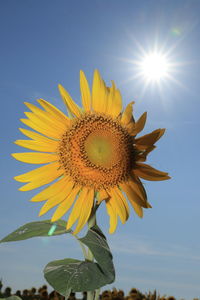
<point>91,155</point>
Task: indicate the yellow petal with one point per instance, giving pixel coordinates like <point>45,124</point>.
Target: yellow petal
<point>38,137</point>
<point>41,181</point>
<point>110,98</point>
<point>51,190</point>
<point>137,186</point>
<point>55,111</point>
<point>148,173</point>
<point>75,213</point>
<point>85,211</point>
<point>37,173</point>
<point>127,115</point>
<point>139,125</point>
<point>71,105</point>
<point>99,93</point>
<point>141,157</point>
<point>47,118</point>
<point>38,128</point>
<point>149,205</point>
<point>61,196</point>
<point>119,206</point>
<point>65,205</point>
<point>151,138</point>
<point>123,199</point>
<point>102,195</point>
<point>35,158</point>
<point>116,104</point>
<point>85,92</point>
<point>54,131</point>
<point>138,209</point>
<point>113,216</point>
<point>132,194</point>
<point>37,146</point>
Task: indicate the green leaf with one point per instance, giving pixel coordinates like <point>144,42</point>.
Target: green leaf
<point>76,275</point>
<point>71,274</point>
<point>35,229</point>
<point>96,242</point>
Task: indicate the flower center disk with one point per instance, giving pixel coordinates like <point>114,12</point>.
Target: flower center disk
<point>97,151</point>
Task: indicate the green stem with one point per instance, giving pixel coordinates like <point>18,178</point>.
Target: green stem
<point>91,222</point>
<point>97,292</point>
<point>83,248</point>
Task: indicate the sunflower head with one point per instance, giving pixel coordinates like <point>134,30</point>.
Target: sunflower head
<point>92,151</point>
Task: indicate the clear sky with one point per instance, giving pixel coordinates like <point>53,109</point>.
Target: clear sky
<point>47,42</point>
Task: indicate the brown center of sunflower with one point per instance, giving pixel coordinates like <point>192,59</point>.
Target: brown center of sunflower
<point>97,151</point>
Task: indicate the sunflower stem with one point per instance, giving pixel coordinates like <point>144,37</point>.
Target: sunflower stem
<point>91,295</point>
<point>82,247</point>
<point>97,292</point>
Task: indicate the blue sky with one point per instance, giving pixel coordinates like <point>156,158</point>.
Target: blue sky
<point>44,43</point>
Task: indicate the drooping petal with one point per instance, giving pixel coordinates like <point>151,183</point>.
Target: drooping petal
<point>99,93</point>
<point>102,195</point>
<point>37,173</point>
<point>71,105</point>
<point>61,196</point>
<point>138,209</point>
<point>85,92</point>
<point>51,190</point>
<point>148,173</point>
<point>123,199</point>
<point>113,216</point>
<point>35,157</point>
<point>119,205</point>
<point>37,146</point>
<point>137,186</point>
<point>133,195</point>
<point>65,205</point>
<point>75,213</point>
<point>85,211</point>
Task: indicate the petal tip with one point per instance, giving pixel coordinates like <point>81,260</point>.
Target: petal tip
<point>60,87</point>
<point>14,154</point>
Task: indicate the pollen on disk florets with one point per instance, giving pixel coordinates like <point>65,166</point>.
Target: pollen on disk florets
<point>96,151</point>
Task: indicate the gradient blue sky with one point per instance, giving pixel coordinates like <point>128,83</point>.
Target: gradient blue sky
<point>44,43</point>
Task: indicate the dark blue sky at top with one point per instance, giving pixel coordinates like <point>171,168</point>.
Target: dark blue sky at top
<point>44,43</point>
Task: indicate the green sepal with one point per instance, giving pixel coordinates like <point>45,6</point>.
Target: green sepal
<point>76,275</point>
<point>36,229</point>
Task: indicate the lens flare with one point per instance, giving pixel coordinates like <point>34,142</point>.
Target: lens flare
<point>52,229</point>
<point>176,31</point>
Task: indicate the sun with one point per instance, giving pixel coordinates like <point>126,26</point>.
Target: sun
<point>154,67</point>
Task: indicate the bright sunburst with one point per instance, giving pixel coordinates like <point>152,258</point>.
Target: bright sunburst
<point>154,67</point>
